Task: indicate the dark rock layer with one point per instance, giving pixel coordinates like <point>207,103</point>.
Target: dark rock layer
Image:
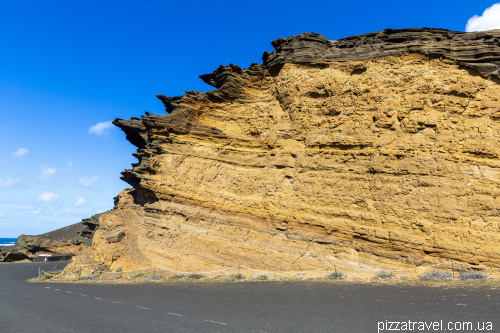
<point>478,50</point>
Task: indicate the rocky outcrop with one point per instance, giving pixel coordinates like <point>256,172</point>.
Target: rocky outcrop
<point>480,50</point>
<point>378,149</point>
<point>75,239</point>
<point>115,236</point>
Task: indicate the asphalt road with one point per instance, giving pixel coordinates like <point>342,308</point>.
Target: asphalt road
<point>265,306</point>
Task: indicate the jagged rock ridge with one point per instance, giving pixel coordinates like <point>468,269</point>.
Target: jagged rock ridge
<point>376,149</point>
<point>75,239</point>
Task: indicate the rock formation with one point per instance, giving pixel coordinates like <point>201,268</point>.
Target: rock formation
<point>380,149</point>
<point>75,239</point>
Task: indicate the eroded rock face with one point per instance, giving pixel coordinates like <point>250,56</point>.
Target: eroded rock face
<point>377,149</point>
<point>75,239</point>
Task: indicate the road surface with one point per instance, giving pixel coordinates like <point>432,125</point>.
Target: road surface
<point>266,306</point>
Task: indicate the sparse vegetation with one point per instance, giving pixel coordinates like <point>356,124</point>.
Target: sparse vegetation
<point>92,276</point>
<point>403,276</point>
<point>153,277</point>
<point>178,276</point>
<point>234,277</point>
<point>472,275</point>
<point>119,269</point>
<point>138,275</point>
<point>335,275</point>
<point>436,275</point>
<point>49,275</point>
<point>384,275</point>
<point>195,276</point>
<point>261,277</point>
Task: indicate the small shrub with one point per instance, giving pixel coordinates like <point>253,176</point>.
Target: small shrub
<point>234,277</point>
<point>218,276</point>
<point>119,269</point>
<point>335,275</point>
<point>384,275</point>
<point>153,277</point>
<point>103,268</point>
<point>50,274</point>
<point>46,277</point>
<point>196,276</point>
<point>261,277</point>
<point>472,275</point>
<point>403,276</point>
<point>178,276</point>
<point>436,275</point>
<point>138,275</point>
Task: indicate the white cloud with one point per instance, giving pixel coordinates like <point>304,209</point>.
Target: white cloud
<point>86,182</point>
<point>101,128</point>
<point>25,207</point>
<point>35,212</point>
<point>490,20</point>
<point>68,211</point>
<point>47,173</point>
<point>47,196</point>
<point>8,182</point>
<point>69,163</point>
<point>21,152</point>
<point>80,202</point>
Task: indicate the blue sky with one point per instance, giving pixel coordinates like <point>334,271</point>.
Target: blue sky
<point>66,66</point>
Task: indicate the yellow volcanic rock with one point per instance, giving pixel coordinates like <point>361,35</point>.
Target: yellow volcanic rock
<point>384,161</point>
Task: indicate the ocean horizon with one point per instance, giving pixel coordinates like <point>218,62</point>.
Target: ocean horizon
<point>7,241</point>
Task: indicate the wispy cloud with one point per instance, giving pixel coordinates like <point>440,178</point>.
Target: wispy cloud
<point>24,207</point>
<point>4,183</point>
<point>69,163</point>
<point>47,173</point>
<point>21,152</point>
<point>35,212</point>
<point>80,202</point>
<point>47,196</point>
<point>490,20</point>
<point>86,182</point>
<point>101,128</point>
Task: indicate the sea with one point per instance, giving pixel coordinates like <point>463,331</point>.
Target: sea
<point>7,241</point>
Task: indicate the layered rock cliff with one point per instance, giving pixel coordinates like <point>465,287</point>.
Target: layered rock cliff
<point>75,239</point>
<point>377,149</point>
